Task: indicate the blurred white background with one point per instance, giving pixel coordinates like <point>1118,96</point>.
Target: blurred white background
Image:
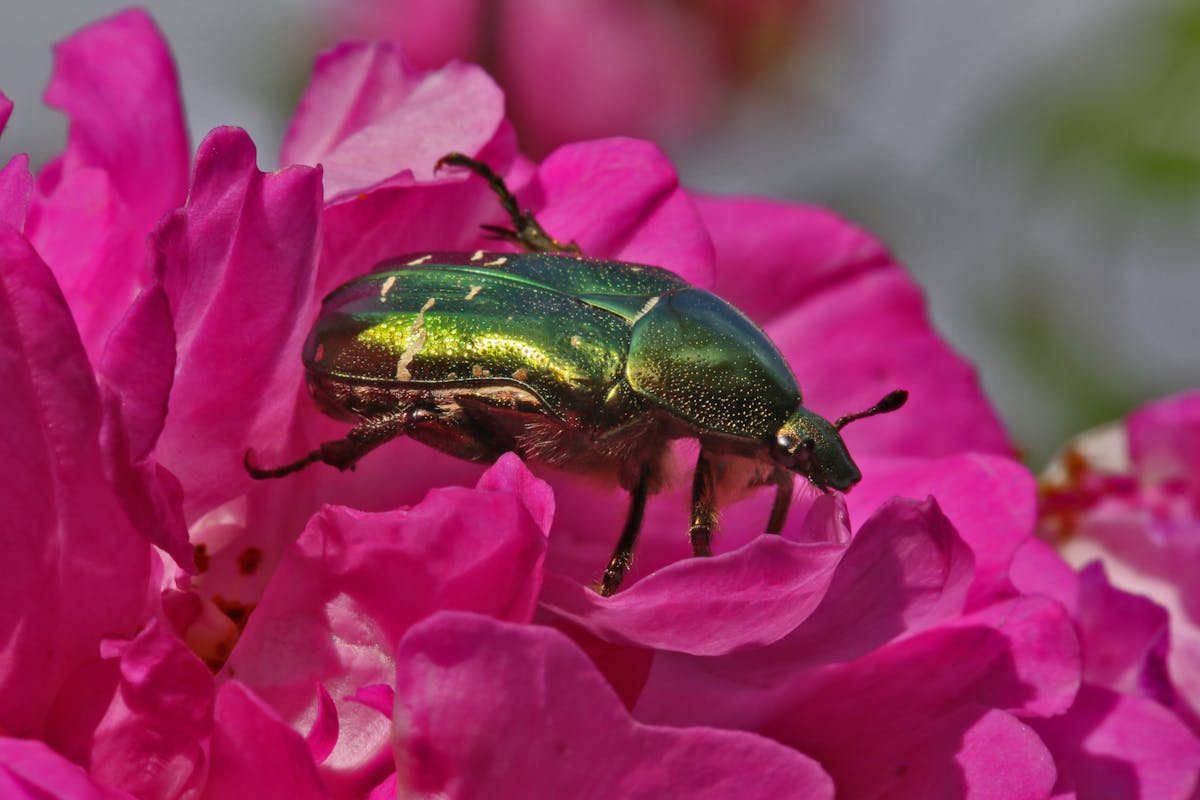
<point>1036,165</point>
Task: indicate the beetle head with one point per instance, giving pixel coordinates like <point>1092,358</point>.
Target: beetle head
<point>812,446</point>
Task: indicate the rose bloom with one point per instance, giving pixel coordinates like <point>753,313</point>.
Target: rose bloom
<point>593,68</point>
<point>424,627</point>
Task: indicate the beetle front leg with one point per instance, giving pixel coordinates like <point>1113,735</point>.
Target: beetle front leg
<point>784,482</point>
<point>622,556</point>
<point>343,453</point>
<point>527,232</point>
<point>704,507</point>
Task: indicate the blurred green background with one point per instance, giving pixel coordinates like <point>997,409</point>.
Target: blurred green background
<point>1036,165</point>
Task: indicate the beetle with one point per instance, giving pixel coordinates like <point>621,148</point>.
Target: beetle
<point>585,364</point>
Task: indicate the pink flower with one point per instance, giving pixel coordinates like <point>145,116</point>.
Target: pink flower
<point>1129,495</point>
<point>593,68</point>
<point>174,629</point>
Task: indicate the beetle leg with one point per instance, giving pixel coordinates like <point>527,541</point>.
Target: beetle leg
<point>528,232</point>
<point>784,482</point>
<point>343,453</point>
<point>622,556</point>
<point>704,507</point>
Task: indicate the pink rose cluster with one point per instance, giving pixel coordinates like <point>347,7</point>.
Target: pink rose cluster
<point>424,628</point>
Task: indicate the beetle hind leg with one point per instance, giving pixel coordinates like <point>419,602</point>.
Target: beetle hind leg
<point>704,507</point>
<point>622,556</point>
<point>343,453</point>
<point>527,232</point>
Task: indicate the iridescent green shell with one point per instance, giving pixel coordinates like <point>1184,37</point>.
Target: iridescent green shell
<point>570,330</point>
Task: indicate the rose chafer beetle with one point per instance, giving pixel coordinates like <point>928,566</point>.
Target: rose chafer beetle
<point>579,363</point>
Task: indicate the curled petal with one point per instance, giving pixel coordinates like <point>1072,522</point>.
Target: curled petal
<point>484,707</point>
<point>29,770</point>
<point>65,586</point>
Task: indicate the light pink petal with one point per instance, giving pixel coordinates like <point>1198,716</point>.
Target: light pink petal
<point>430,34</point>
<point>851,323</point>
<point>124,166</point>
<point>368,117</point>
<point>64,585</point>
<point>153,739</point>
<point>344,595</point>
<point>603,68</point>
<point>237,267</point>
<point>490,709</point>
<point>16,189</point>
<point>255,754</point>
<point>1115,746</point>
<point>620,198</point>
<point>29,770</point>
<point>991,501</point>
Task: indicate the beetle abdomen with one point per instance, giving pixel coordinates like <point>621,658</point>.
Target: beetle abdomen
<point>441,327</point>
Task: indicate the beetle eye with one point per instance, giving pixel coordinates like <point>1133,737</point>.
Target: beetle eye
<point>787,443</point>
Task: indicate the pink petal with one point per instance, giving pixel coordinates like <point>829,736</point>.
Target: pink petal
<point>29,770</point>
<point>16,189</point>
<point>254,754</point>
<point>64,586</point>
<point>991,501</point>
<point>852,325</point>
<point>344,595</point>
<point>905,563</point>
<point>237,266</point>
<point>369,118</point>
<point>323,734</point>
<point>136,372</point>
<point>508,711</point>
<point>153,739</point>
<point>1115,746</point>
<point>1164,440</point>
<point>6,108</point>
<point>124,166</point>
<point>116,81</point>
<point>620,198</point>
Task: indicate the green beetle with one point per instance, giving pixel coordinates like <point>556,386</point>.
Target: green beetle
<point>584,364</point>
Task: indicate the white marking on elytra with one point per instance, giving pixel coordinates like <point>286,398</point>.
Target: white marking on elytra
<point>499,262</point>
<point>387,287</point>
<point>477,255</point>
<point>416,344</point>
<point>651,303</point>
<point>576,341</point>
<point>417,261</point>
<point>474,291</point>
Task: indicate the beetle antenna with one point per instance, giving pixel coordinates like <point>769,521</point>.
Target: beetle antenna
<point>890,402</point>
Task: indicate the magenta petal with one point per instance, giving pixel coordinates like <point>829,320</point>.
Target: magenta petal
<point>1115,746</point>
<point>368,117</point>
<point>29,770</point>
<point>323,734</point>
<point>355,582</point>
<point>16,189</point>
<point>153,740</point>
<point>991,501</point>
<point>237,267</point>
<point>1164,440</point>
<point>645,215</point>
<point>124,166</point>
<point>6,108</point>
<point>64,586</point>
<point>136,370</point>
<point>116,81</point>
<point>254,754</point>
<point>490,709</point>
